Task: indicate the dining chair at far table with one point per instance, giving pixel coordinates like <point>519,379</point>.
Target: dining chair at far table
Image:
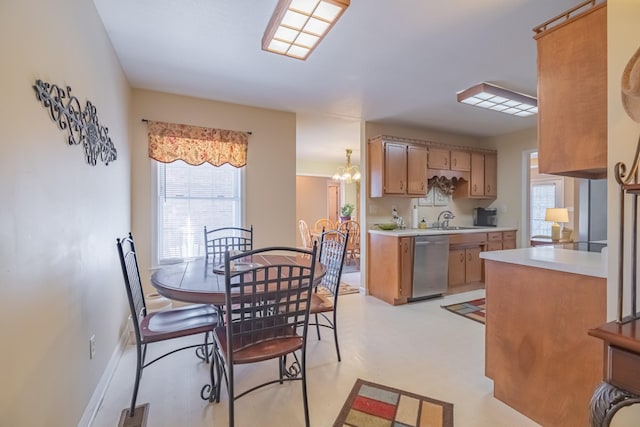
<point>305,234</point>
<point>323,224</point>
<point>219,240</point>
<point>333,248</point>
<point>266,306</point>
<point>161,325</point>
<point>353,245</point>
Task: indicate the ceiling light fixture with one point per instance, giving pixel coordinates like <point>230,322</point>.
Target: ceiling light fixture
<point>497,98</point>
<point>347,173</point>
<point>297,26</point>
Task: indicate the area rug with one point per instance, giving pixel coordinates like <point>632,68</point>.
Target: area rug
<point>474,310</point>
<point>375,405</point>
<point>139,418</point>
<point>344,290</point>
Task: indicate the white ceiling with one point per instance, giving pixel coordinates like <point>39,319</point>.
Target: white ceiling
<point>397,61</point>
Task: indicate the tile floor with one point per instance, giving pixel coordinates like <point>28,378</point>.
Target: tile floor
<point>418,347</point>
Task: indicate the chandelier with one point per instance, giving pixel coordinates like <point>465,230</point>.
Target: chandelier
<point>347,173</point>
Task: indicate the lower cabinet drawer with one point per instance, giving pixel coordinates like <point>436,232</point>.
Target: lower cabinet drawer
<point>624,369</point>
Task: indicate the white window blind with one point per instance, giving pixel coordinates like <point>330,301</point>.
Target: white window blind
<point>190,197</point>
<point>543,195</point>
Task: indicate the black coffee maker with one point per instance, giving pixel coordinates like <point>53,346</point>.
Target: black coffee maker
<point>485,217</point>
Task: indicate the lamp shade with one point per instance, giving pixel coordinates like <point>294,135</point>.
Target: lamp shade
<point>557,215</point>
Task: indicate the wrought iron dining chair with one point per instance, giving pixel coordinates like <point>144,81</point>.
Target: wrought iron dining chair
<point>161,325</point>
<point>333,249</point>
<point>219,240</point>
<point>353,245</point>
<point>264,307</point>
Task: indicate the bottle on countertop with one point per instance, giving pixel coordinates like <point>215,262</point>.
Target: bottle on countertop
<point>423,224</point>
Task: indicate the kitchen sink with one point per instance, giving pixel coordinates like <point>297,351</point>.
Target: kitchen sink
<point>452,227</point>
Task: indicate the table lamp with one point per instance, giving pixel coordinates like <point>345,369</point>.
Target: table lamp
<point>556,215</point>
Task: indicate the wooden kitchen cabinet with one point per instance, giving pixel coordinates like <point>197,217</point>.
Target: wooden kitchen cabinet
<point>416,170</point>
<point>483,178</point>
<point>465,265</point>
<point>397,169</point>
<point>508,240</point>
<point>455,160</point>
<point>438,158</point>
<point>572,94</point>
<point>460,161</point>
<point>390,268</point>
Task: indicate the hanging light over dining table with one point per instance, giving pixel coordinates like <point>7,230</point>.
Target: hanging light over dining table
<point>348,173</point>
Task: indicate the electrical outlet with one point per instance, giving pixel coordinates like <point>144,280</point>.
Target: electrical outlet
<point>92,347</point>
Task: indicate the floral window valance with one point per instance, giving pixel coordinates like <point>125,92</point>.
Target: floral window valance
<point>196,145</point>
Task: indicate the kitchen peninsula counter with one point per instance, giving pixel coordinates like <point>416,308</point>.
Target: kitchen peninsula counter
<point>541,302</point>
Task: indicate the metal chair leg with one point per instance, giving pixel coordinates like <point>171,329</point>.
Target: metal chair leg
<point>335,334</point>
<point>317,327</point>
<point>140,354</point>
<point>304,389</point>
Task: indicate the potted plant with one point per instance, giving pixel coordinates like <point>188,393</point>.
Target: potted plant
<point>345,212</point>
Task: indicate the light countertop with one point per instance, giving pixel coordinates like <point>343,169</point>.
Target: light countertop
<point>548,257</point>
<point>408,232</point>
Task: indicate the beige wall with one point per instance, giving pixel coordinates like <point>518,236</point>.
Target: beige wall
<point>623,39</point>
<point>269,176</point>
<point>60,278</point>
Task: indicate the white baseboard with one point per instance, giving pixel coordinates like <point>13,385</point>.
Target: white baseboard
<point>98,394</point>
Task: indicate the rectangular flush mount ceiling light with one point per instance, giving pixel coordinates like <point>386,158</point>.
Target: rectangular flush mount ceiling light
<point>496,98</point>
<point>297,26</point>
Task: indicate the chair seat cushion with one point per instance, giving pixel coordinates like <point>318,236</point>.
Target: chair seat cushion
<point>260,349</point>
<point>321,303</point>
<point>178,322</point>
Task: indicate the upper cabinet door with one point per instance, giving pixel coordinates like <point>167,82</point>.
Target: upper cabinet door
<point>477,175</point>
<point>491,175</point>
<point>460,161</point>
<point>395,168</point>
<point>572,95</point>
<point>416,170</point>
<point>438,158</point>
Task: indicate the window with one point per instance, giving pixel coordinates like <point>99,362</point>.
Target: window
<point>190,197</point>
<point>544,194</point>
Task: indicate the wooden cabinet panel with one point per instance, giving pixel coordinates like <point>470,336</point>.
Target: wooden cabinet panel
<point>473,265</point>
<point>395,168</point>
<point>491,175</point>
<point>416,170</point>
<point>477,175</point>
<point>390,268</point>
<point>438,158</point>
<point>460,161</point>
<point>509,240</point>
<point>494,246</point>
<point>572,56</point>
<point>406,268</point>
<point>457,259</point>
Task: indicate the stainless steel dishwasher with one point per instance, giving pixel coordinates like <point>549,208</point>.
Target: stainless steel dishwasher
<point>430,266</point>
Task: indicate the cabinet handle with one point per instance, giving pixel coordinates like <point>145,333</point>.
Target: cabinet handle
<point>469,257</point>
<point>446,161</point>
<point>488,189</point>
<point>422,185</point>
<point>475,187</point>
<point>401,185</point>
<point>455,162</point>
<point>461,257</point>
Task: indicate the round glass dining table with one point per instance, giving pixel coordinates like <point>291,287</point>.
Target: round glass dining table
<point>196,282</point>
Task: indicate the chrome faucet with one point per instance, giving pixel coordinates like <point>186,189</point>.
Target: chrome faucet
<point>447,215</point>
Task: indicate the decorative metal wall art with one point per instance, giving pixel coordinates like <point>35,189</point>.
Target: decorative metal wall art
<point>444,184</point>
<point>82,125</point>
